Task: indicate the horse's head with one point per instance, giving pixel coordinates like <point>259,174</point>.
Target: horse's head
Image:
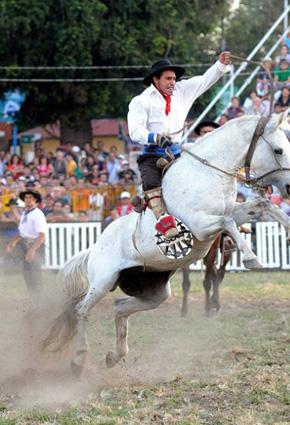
<point>271,159</point>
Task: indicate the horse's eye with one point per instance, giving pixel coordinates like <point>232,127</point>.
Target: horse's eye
<point>278,151</point>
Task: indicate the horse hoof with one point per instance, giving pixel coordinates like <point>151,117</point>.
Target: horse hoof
<point>214,306</point>
<point>76,369</point>
<point>210,313</point>
<point>183,312</point>
<point>252,264</point>
<point>111,359</point>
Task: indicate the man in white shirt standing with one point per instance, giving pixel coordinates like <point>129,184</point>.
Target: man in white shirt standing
<point>155,120</point>
<point>32,229</point>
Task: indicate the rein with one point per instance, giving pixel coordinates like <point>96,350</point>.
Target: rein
<point>259,132</point>
<point>208,164</point>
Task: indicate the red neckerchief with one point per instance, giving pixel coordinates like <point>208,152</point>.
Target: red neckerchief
<point>167,100</point>
<point>167,107</point>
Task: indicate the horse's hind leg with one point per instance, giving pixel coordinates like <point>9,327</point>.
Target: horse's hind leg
<point>99,287</point>
<point>210,273</point>
<point>124,307</point>
<point>81,349</point>
<point>185,291</point>
<point>226,257</point>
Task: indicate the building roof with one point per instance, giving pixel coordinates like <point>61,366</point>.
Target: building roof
<point>49,131</point>
<point>103,127</point>
<point>108,127</point>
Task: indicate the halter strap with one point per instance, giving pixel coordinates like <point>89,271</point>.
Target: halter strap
<point>259,131</point>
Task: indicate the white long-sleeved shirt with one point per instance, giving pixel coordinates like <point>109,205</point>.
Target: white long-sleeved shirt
<point>32,223</point>
<point>147,111</point>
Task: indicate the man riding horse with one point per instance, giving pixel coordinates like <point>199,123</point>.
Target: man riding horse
<point>156,118</point>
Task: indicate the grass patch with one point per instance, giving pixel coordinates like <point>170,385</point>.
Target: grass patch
<point>231,369</point>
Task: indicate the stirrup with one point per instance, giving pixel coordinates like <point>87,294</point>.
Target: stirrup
<point>176,247</point>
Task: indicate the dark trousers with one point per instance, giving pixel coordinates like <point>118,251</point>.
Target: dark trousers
<point>32,271</point>
<point>151,175</point>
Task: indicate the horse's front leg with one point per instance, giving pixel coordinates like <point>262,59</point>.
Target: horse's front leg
<point>246,211</point>
<point>185,291</point>
<point>124,307</point>
<point>250,259</point>
<point>206,226</point>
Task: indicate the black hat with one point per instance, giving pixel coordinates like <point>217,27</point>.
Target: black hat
<point>163,65</point>
<point>202,124</point>
<point>36,195</point>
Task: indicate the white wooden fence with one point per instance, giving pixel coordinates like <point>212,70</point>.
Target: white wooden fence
<point>64,240</point>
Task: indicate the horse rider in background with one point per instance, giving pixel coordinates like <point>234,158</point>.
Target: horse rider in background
<point>155,120</point>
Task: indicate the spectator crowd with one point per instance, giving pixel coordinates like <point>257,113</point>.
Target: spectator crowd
<point>258,101</point>
<point>76,184</point>
<point>89,183</point>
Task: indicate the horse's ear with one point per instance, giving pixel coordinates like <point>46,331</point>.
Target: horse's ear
<point>284,116</point>
<point>276,120</point>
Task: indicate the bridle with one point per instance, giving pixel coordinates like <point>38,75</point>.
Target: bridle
<point>258,133</point>
<point>248,180</point>
<point>253,181</point>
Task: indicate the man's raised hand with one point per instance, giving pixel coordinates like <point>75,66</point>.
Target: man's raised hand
<point>225,58</point>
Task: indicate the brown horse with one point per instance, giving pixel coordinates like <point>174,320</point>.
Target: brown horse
<point>213,275</point>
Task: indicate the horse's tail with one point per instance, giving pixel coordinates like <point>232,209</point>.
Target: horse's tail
<point>73,281</point>
<point>73,277</point>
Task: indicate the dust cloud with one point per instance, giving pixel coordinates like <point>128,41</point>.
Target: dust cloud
<point>162,347</point>
<point>29,378</point>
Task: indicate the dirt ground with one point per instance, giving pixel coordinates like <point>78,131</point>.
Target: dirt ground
<point>193,370</point>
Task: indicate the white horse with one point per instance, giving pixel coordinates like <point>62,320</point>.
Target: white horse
<point>126,255</point>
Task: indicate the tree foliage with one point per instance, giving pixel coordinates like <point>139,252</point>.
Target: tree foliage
<point>112,32</point>
<point>249,24</point>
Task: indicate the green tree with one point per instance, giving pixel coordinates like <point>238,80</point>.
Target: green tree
<point>51,33</point>
<point>98,32</point>
<point>249,23</point>
<point>140,32</point>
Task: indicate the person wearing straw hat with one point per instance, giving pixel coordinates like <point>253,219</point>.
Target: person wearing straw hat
<point>156,119</point>
<point>29,240</point>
